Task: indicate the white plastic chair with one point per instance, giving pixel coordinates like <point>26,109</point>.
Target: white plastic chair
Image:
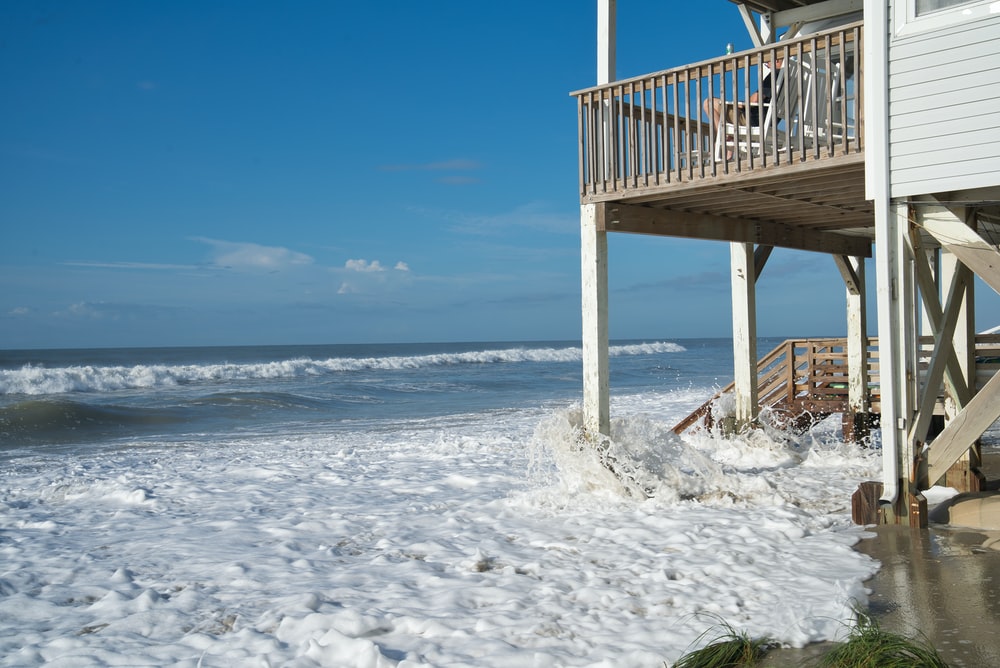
<point>772,133</point>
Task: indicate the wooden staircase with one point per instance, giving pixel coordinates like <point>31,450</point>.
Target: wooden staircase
<point>800,381</point>
<point>804,380</point>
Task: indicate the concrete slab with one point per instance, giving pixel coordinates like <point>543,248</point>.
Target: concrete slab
<point>942,582</point>
<point>972,510</point>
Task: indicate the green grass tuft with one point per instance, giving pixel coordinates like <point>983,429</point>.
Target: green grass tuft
<point>730,649</point>
<point>868,646</point>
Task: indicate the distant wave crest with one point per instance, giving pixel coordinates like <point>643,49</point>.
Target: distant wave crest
<point>38,380</point>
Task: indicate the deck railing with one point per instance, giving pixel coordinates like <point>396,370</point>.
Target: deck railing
<point>659,128</point>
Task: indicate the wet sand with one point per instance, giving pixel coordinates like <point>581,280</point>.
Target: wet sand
<point>942,583</point>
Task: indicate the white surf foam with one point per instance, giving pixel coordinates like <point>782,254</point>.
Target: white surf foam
<point>485,542</point>
<point>39,380</point>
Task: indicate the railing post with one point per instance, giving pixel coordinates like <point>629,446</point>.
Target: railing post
<point>791,367</point>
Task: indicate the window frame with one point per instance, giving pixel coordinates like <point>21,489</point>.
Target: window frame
<point>907,22</point>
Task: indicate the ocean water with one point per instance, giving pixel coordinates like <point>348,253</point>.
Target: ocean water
<point>405,505</point>
<point>78,400</point>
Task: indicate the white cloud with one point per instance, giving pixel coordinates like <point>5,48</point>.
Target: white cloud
<point>118,311</point>
<point>364,266</point>
<point>245,255</point>
<point>371,277</point>
<point>19,310</point>
<point>85,310</point>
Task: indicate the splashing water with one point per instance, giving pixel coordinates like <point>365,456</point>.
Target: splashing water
<point>643,460</point>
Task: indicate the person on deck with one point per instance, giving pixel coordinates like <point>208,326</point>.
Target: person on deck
<point>746,115</point>
<point>753,112</point>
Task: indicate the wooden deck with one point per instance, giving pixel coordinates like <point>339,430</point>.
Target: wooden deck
<point>651,150</point>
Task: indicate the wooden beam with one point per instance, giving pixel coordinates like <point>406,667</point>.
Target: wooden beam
<point>852,281</point>
<point>970,249</point>
<point>845,191</point>
<point>809,201</point>
<point>798,213</point>
<point>662,222</point>
<point>817,11</point>
<point>956,439</point>
<point>964,341</point>
<point>760,256</point>
<point>942,320</point>
<point>805,210</point>
<point>752,29</point>
<point>943,355</point>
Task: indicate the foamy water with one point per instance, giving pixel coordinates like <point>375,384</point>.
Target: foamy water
<point>489,537</point>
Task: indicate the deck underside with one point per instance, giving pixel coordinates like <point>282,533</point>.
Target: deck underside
<point>818,206</point>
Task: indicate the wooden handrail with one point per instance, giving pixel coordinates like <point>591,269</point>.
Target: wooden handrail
<point>795,369</point>
<point>816,370</point>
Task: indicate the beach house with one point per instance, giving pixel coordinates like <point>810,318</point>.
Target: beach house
<point>858,129</point>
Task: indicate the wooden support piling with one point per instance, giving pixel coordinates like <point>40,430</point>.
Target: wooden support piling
<point>866,509</point>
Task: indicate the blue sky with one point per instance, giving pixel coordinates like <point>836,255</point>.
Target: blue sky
<point>244,172</point>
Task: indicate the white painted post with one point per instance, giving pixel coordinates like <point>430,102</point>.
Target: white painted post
<point>909,378</point>
<point>606,31</point>
<point>888,241</point>
<point>857,340</point>
<point>888,250</point>
<point>902,372</point>
<point>606,49</point>
<point>743,277</point>
<point>594,264</point>
<point>594,285</point>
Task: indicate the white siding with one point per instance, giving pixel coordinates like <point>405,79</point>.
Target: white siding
<point>944,108</point>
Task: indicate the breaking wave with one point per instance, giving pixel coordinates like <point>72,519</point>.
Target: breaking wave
<point>38,380</point>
